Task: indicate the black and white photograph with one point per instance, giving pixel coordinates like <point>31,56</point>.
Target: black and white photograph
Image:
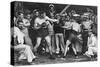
<point>53,33</point>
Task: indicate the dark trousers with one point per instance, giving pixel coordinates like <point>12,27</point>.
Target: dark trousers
<point>85,39</point>
<point>33,35</point>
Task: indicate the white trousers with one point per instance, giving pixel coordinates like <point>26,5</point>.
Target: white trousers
<point>91,51</point>
<point>26,52</point>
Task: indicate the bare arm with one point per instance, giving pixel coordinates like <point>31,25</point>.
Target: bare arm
<point>52,20</point>
<point>79,28</point>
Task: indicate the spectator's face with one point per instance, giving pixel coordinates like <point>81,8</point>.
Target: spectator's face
<point>52,8</point>
<point>68,18</point>
<point>28,16</point>
<point>37,14</point>
<point>84,18</point>
<point>58,17</point>
<point>20,24</point>
<point>43,15</point>
<point>21,15</point>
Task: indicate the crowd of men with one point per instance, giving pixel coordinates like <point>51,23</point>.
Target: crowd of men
<point>34,33</point>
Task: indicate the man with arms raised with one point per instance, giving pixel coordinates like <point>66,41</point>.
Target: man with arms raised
<point>41,24</point>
